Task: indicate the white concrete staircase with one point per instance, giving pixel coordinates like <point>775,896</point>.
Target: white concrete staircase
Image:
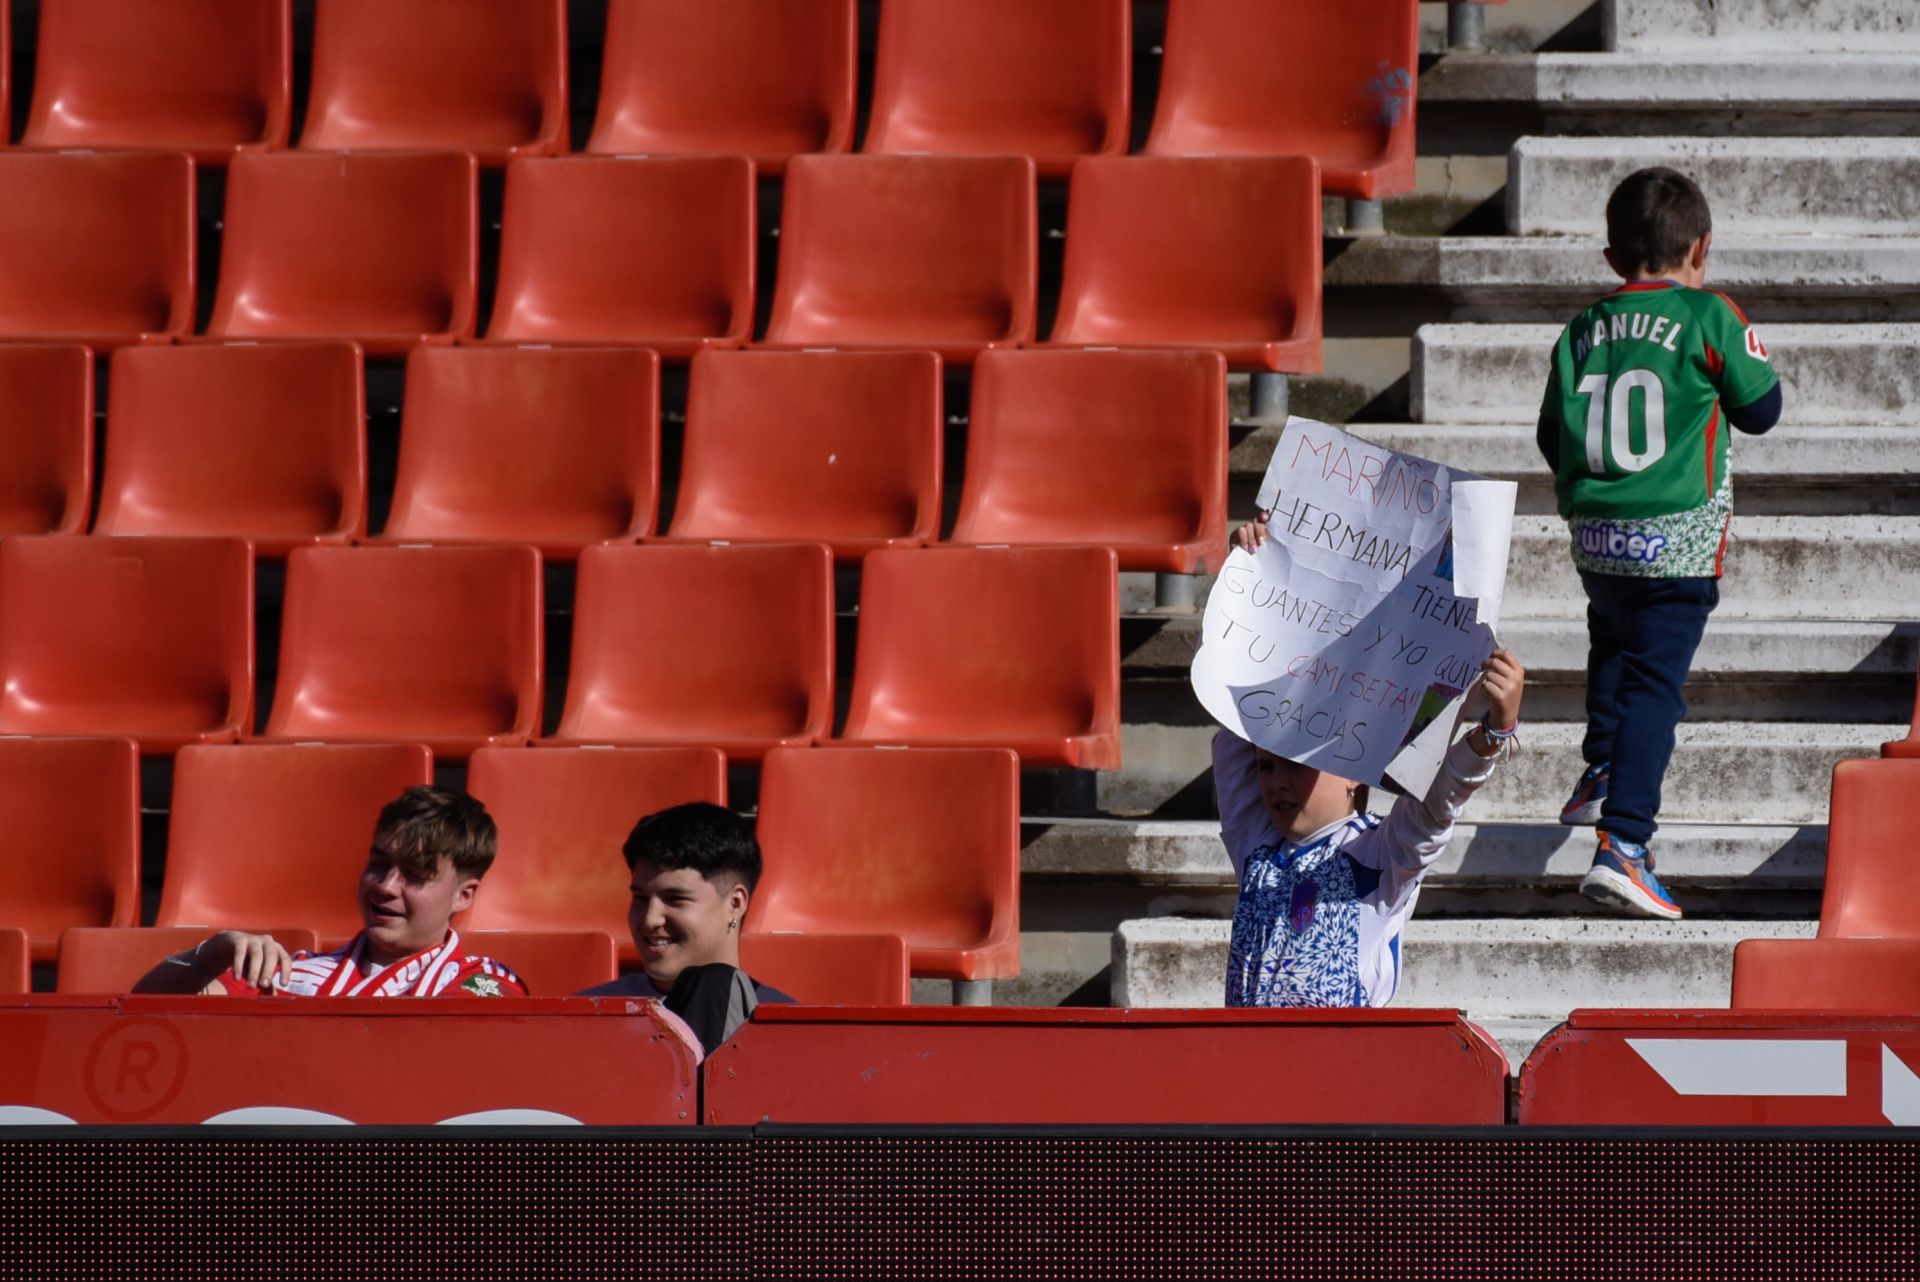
<point>1796,117</point>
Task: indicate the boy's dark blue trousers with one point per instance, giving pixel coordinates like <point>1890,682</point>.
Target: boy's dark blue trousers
<point>1641,635</point>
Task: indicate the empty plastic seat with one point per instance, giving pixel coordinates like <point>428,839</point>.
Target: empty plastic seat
<point>842,447</point>
<point>16,955</point>
<point>46,451</point>
<point>1873,881</point>
<point>1827,974</point>
<point>727,646</point>
<point>564,814</point>
<point>907,251</point>
<point>481,76</point>
<point>1195,252</point>
<point>552,963</point>
<point>1018,647</point>
<point>1122,448</point>
<point>1305,78</point>
<point>100,960</point>
<point>996,77</point>
<point>69,835</point>
<point>95,247</point>
<point>209,77</point>
<point>653,251</point>
<point>554,446</point>
<point>439,646</point>
<point>832,970</point>
<point>919,843</point>
<point>265,442</point>
<point>279,832</point>
<point>766,79</point>
<point>151,639</point>
<point>380,249</point>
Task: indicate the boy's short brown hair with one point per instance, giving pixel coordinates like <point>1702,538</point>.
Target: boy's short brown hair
<point>1653,217</point>
<point>425,825</point>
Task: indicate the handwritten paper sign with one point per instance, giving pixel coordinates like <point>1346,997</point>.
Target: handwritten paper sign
<point>1366,614</point>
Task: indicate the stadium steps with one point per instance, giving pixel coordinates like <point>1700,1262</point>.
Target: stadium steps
<point>1669,26</point>
<point>1831,375</point>
<point>1519,975</point>
<point>1760,186</point>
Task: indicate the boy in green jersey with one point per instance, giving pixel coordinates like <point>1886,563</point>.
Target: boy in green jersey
<point>1644,387</point>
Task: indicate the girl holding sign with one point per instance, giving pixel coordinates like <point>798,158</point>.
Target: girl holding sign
<point>1325,887</point>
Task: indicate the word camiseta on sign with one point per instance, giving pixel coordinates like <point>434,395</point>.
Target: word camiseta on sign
<point>1365,615</point>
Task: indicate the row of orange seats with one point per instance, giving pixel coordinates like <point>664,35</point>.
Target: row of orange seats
<point>726,645</point>
<point>559,447</point>
<point>815,970</point>
<point>764,78</point>
<point>934,252</point>
<point>921,844</point>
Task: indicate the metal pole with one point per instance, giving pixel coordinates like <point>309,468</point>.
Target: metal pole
<point>1466,26</point>
<point>1365,217</point>
<point>973,992</point>
<point>1269,396</point>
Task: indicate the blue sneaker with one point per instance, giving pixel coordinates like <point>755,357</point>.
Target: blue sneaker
<point>1583,807</point>
<point>1622,877</point>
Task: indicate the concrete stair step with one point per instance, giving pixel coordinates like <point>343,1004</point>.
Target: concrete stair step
<point>1547,278</point>
<point>1492,968</point>
<point>1757,186</point>
<point>1692,857</point>
<point>1777,567</point>
<point>1685,26</point>
<point>1796,650</point>
<point>1838,375</point>
<point>1723,772</point>
<point>1796,90</point>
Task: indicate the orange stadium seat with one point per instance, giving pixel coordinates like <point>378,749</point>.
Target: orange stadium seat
<point>95,247</point>
<point>1183,251</point>
<point>482,76</point>
<point>1250,77</point>
<point>278,832</point>
<point>653,251</point>
<point>16,954</point>
<point>766,79</point>
<point>265,442</point>
<point>148,638</point>
<point>380,249</point>
<point>1873,881</point>
<point>832,970</point>
<point>922,843</point>
<point>728,646</point>
<point>1827,974</point>
<point>564,815</point>
<point>440,646</point>
<point>842,447</point>
<point>209,77</point>
<point>46,452</point>
<point>1122,448</point>
<point>554,446</point>
<point>907,251</point>
<point>551,963</point>
<point>69,835</point>
<point>1017,647</point>
<point>989,77</point>
<point>95,959</point>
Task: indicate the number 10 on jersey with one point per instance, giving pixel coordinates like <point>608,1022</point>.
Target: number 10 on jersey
<point>1609,420</point>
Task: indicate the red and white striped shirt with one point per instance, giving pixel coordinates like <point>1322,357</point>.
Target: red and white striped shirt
<point>440,971</point>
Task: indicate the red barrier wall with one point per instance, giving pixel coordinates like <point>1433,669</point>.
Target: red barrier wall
<point>1724,1068</point>
<point>1118,1067</point>
<point>145,1060</point>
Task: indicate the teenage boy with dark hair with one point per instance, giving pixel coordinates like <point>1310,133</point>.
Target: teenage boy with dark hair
<point>431,847</point>
<point>694,869</point>
<point>1632,427</point>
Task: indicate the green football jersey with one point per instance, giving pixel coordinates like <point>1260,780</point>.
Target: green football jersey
<point>1636,387</point>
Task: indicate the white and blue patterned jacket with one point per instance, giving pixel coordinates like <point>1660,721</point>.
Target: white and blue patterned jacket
<point>1318,922</point>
